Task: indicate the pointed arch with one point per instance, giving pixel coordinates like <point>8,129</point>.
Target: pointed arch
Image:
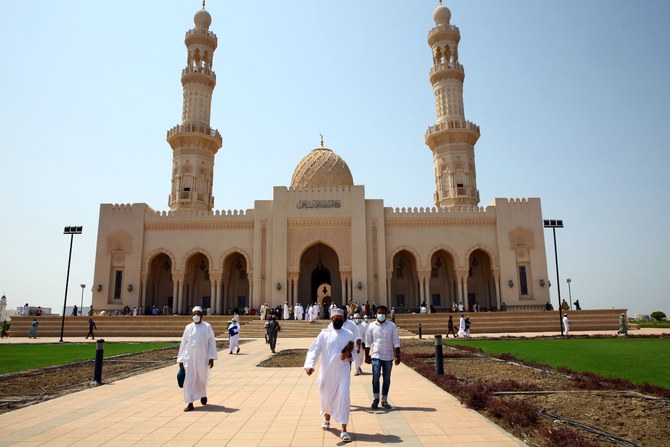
<point>407,248</point>
<point>445,248</point>
<point>153,254</point>
<point>232,251</point>
<point>312,243</point>
<point>485,249</point>
<point>193,252</point>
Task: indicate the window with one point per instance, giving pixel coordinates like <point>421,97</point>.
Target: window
<point>400,300</point>
<point>523,280</point>
<point>118,281</point>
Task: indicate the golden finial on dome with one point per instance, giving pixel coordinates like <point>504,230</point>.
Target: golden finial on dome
<point>321,139</point>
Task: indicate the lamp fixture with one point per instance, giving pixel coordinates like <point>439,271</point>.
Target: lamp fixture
<point>510,283</point>
<point>130,287</point>
<point>98,287</point>
<point>542,283</point>
<point>438,263</point>
<point>278,286</point>
<point>359,286</point>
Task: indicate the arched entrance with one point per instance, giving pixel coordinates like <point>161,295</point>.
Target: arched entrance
<point>235,284</point>
<point>481,284</point>
<point>404,282</point>
<point>197,286</point>
<point>442,283</point>
<point>160,287</point>
<point>319,268</point>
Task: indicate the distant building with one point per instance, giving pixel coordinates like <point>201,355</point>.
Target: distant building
<point>321,232</point>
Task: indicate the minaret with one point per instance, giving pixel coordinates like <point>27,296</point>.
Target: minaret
<point>452,140</point>
<point>194,143</point>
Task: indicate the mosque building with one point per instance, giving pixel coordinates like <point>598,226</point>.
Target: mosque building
<point>320,239</point>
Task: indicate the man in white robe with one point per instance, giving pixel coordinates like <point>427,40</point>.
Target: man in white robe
<point>566,325</point>
<point>197,353</point>
<point>461,327</point>
<point>286,313</point>
<point>296,311</point>
<point>302,311</point>
<point>334,345</point>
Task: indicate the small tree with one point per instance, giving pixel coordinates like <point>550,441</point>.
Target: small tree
<point>658,315</point>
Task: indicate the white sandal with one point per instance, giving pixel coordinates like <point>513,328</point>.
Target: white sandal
<point>345,437</point>
<point>325,425</point>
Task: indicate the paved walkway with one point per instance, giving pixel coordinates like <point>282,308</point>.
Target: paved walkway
<point>248,406</point>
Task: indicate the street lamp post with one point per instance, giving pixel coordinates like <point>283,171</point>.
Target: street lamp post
<point>81,304</point>
<point>570,292</point>
<point>553,224</point>
<point>71,231</point>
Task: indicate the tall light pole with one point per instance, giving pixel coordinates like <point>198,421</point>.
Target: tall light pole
<point>570,292</point>
<point>81,305</point>
<point>553,224</point>
<point>71,231</point>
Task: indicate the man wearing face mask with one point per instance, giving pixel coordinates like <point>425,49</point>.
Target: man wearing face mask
<point>382,349</point>
<point>197,353</point>
<point>334,345</point>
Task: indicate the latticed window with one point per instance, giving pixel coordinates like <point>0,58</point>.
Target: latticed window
<point>523,280</point>
<point>118,281</point>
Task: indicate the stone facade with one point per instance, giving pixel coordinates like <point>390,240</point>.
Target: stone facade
<point>321,239</point>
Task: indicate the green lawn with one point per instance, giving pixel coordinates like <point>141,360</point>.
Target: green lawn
<point>638,360</point>
<point>19,357</point>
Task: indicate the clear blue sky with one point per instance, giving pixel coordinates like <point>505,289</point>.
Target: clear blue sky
<point>572,99</point>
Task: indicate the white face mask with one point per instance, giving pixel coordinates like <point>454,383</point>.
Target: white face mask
<point>357,321</point>
<point>381,317</point>
<point>196,318</point>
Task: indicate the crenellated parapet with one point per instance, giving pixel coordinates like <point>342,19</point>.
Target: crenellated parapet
<point>451,211</point>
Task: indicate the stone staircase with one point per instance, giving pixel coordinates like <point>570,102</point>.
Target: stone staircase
<point>512,322</point>
<point>252,327</point>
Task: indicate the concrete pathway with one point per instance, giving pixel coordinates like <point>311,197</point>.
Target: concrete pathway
<point>248,406</point>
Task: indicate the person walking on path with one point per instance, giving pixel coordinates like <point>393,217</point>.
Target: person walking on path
<point>197,353</point>
<point>623,325</point>
<point>91,327</point>
<point>33,329</point>
<point>382,349</point>
<point>461,326</point>
<point>359,354</point>
<point>234,334</point>
<point>450,327</point>
<point>566,325</point>
<point>334,345</point>
<point>272,330</point>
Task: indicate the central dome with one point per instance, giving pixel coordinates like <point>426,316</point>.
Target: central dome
<point>321,168</point>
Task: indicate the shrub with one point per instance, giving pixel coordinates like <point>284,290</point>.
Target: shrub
<point>561,437</point>
<point>658,315</point>
<point>515,412</point>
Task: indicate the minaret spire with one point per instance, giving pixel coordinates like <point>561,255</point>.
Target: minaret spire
<point>452,139</point>
<point>194,143</point>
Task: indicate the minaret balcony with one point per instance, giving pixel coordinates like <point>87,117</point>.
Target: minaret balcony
<point>444,32</point>
<point>452,70</point>
<point>452,131</point>
<point>452,124</point>
<point>202,37</point>
<point>198,70</point>
<point>195,129</point>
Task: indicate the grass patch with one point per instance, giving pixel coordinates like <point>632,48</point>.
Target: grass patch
<point>637,360</point>
<point>20,357</point>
